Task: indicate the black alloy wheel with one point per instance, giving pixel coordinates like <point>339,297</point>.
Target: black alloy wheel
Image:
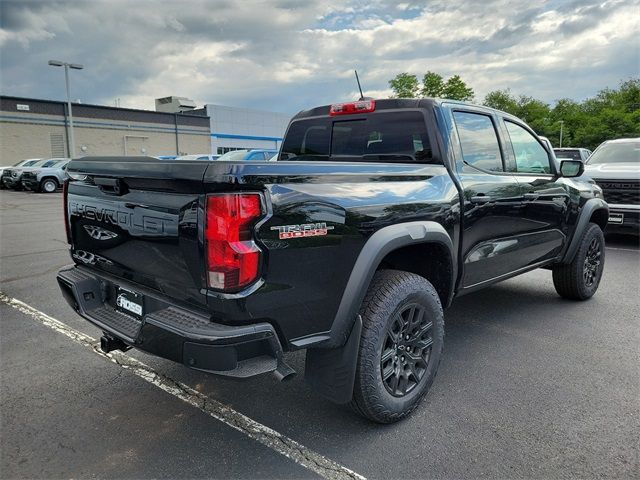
<point>400,346</point>
<point>579,279</point>
<point>406,350</point>
<point>592,262</point>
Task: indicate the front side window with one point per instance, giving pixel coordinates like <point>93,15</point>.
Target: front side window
<point>388,137</point>
<point>530,155</point>
<point>479,141</point>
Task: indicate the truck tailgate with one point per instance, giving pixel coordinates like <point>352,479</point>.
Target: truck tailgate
<point>137,219</point>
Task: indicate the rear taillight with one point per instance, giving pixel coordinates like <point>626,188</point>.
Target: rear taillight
<point>65,209</point>
<point>233,258</point>
<point>362,106</point>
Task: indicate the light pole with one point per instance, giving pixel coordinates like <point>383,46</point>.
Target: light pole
<point>561,125</point>
<point>67,66</point>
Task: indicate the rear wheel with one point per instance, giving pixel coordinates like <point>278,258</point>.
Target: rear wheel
<point>48,185</point>
<point>400,347</point>
<point>579,279</point>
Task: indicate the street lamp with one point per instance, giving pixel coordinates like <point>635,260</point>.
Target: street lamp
<point>67,66</point>
<point>561,127</point>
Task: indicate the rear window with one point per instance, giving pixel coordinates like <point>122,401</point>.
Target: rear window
<point>568,154</point>
<point>388,137</point>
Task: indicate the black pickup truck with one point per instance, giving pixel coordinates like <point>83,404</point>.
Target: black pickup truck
<point>377,214</point>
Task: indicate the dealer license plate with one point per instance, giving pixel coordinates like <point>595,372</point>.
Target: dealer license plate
<point>130,302</point>
<point>616,218</point>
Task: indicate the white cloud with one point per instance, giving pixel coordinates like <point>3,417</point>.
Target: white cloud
<point>287,55</point>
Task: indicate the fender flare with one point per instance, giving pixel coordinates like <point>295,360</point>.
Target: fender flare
<point>588,209</point>
<point>381,243</point>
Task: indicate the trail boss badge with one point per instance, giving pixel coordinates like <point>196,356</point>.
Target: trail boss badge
<point>286,232</point>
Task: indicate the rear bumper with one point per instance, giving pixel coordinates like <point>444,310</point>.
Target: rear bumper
<point>173,332</point>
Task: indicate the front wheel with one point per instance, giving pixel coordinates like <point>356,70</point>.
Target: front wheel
<point>48,185</point>
<point>400,347</point>
<point>579,279</point>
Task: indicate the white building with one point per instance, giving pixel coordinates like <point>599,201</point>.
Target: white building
<point>237,128</point>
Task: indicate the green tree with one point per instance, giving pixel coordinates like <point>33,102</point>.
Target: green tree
<point>456,89</point>
<point>404,85</point>
<point>432,85</point>
<point>535,112</point>
<point>502,100</point>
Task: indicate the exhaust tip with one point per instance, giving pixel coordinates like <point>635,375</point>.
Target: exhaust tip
<point>284,372</point>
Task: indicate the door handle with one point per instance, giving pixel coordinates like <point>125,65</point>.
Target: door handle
<point>480,199</point>
<point>531,196</point>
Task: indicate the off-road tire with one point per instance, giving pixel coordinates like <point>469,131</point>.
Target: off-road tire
<point>47,184</point>
<point>572,281</point>
<point>391,292</point>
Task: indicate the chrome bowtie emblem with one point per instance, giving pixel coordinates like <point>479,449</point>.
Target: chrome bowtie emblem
<point>99,233</point>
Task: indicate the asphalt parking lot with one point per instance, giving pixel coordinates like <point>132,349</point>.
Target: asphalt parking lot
<point>530,386</point>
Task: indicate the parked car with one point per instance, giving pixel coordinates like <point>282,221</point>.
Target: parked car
<point>615,167</point>
<point>199,156</point>
<point>569,153</point>
<point>167,157</point>
<point>47,178</point>
<point>21,163</point>
<point>254,154</point>
<point>12,177</point>
<point>344,247</point>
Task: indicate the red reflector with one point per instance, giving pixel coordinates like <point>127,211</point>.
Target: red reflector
<point>233,258</point>
<point>363,106</point>
<point>65,196</point>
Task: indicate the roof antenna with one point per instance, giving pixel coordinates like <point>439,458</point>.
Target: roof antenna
<point>359,87</point>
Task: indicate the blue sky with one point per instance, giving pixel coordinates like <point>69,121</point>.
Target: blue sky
<point>286,55</point>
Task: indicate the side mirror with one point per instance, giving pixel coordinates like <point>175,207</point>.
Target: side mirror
<point>571,168</point>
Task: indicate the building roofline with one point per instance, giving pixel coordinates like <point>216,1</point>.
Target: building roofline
<point>92,105</point>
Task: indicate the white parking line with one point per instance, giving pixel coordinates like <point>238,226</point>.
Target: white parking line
<point>622,249</point>
<point>266,436</point>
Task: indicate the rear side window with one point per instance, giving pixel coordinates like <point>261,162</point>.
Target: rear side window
<point>479,141</point>
<point>393,136</point>
<point>531,157</point>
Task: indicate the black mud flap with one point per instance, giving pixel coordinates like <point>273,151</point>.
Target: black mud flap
<point>332,372</point>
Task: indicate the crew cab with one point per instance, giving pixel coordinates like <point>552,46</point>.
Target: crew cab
<point>376,216</point>
<point>46,178</point>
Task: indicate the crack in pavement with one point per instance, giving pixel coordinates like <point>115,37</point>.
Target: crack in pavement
<point>268,437</point>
